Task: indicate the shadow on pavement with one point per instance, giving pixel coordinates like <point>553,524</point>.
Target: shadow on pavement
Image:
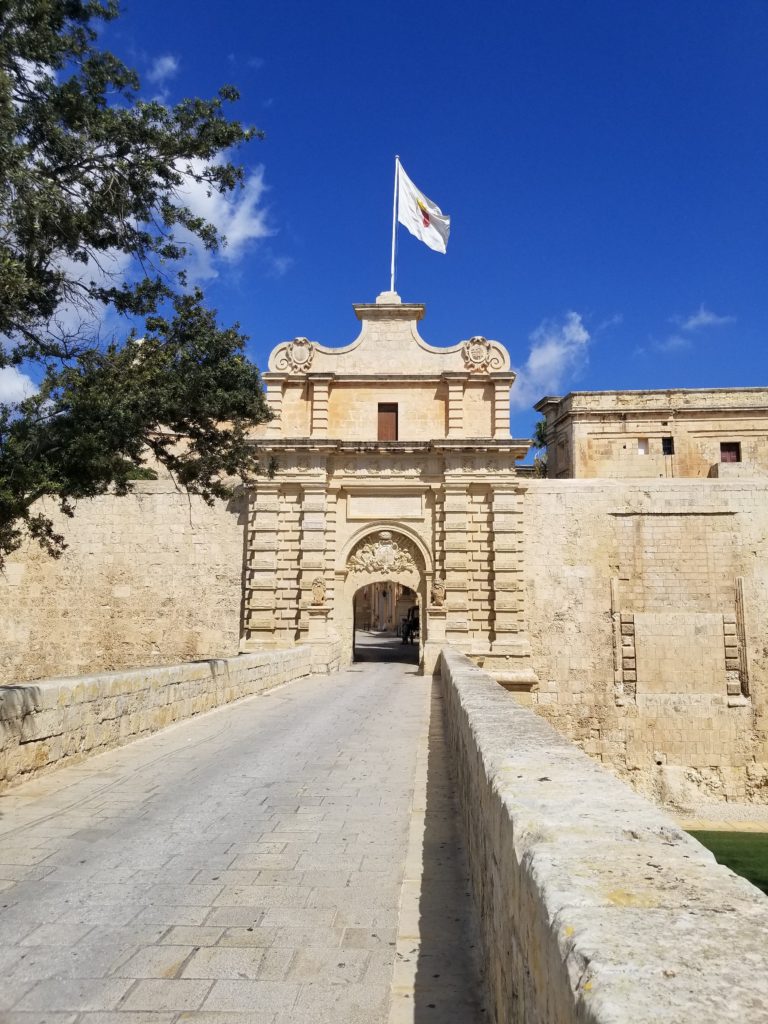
<point>448,985</point>
<point>384,647</point>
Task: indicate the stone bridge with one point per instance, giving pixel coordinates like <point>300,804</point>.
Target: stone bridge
<point>320,847</point>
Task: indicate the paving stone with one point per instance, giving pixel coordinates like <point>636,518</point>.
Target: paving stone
<point>336,966</point>
<point>56,935</point>
<point>241,1017</point>
<point>175,994</point>
<point>217,962</point>
<point>252,995</point>
<point>190,936</point>
<point>11,992</point>
<point>256,936</point>
<point>127,1017</point>
<point>155,962</point>
<point>243,867</point>
<point>75,994</point>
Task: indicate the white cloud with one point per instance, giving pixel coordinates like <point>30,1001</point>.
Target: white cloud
<point>673,343</point>
<point>238,216</point>
<point>15,385</point>
<point>81,317</point>
<point>704,317</point>
<point>163,68</point>
<point>557,350</point>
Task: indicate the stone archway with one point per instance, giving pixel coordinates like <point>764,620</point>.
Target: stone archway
<point>381,554</point>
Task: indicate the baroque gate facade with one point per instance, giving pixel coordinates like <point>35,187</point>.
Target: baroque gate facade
<point>394,461</point>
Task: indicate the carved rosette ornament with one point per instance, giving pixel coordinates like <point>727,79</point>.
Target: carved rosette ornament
<point>318,591</point>
<point>297,356</point>
<point>383,554</point>
<point>438,593</point>
<point>480,356</point>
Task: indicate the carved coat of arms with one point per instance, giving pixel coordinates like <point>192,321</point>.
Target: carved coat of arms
<point>297,356</point>
<point>383,555</point>
<point>480,356</point>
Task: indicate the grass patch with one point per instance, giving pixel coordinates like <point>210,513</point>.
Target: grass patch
<point>746,853</point>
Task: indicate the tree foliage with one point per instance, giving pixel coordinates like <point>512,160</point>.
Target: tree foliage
<point>93,223</point>
<point>540,443</point>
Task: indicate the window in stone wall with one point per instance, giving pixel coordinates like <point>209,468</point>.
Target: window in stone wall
<point>642,446</point>
<point>668,446</point>
<point>387,421</point>
<point>730,451</point>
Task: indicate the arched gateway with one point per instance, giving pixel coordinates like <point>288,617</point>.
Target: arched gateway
<point>394,463</point>
<point>388,556</point>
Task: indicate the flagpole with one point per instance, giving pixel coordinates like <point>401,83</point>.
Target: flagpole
<point>394,229</point>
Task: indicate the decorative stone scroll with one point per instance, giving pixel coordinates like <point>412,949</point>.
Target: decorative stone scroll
<point>383,555</point>
<point>480,356</point>
<point>297,356</point>
<point>438,593</point>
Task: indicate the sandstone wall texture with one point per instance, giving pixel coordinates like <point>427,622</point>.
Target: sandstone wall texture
<point>151,578</point>
<point>46,724</point>
<point>594,906</point>
<point>646,605</point>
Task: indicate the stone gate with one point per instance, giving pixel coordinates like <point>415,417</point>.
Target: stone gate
<point>395,461</point>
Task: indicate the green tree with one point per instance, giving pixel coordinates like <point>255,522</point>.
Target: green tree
<point>540,443</point>
<point>93,222</point>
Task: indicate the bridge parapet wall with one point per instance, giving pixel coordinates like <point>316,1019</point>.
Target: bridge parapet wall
<point>594,905</point>
<point>55,721</point>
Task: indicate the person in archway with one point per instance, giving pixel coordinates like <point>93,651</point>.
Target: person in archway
<point>411,625</point>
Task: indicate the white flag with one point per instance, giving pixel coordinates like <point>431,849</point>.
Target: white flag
<point>420,215</point>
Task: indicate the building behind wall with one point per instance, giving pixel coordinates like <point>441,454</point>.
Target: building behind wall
<point>704,432</point>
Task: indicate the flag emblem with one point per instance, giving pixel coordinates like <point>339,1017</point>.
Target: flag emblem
<point>420,215</point>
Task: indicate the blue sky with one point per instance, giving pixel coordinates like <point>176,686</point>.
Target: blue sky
<point>605,165</point>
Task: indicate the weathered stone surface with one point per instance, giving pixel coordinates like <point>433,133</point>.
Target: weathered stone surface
<point>48,723</point>
<point>131,908</point>
<point>666,433</point>
<point>636,594</point>
<point>595,907</point>
<point>151,578</point>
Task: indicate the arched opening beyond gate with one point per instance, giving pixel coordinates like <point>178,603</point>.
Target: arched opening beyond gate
<point>382,597</point>
<point>386,623</point>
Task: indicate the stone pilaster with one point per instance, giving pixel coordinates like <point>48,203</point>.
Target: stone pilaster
<point>274,397</point>
<point>455,527</point>
<point>455,382</point>
<point>509,660</point>
<point>311,546</point>
<point>502,383</point>
<point>321,386</point>
<point>261,565</point>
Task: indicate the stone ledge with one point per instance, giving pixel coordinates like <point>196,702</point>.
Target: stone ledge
<point>595,907</point>
<point>55,721</point>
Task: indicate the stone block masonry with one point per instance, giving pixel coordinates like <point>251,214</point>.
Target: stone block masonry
<point>594,906</point>
<point>56,721</point>
<point>152,578</point>
<point>646,603</point>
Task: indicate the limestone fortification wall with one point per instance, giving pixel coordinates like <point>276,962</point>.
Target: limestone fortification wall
<point>646,604</point>
<point>593,905</point>
<point>151,578</point>
<point>55,721</point>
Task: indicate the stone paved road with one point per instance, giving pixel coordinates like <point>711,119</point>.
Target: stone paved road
<point>239,868</point>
